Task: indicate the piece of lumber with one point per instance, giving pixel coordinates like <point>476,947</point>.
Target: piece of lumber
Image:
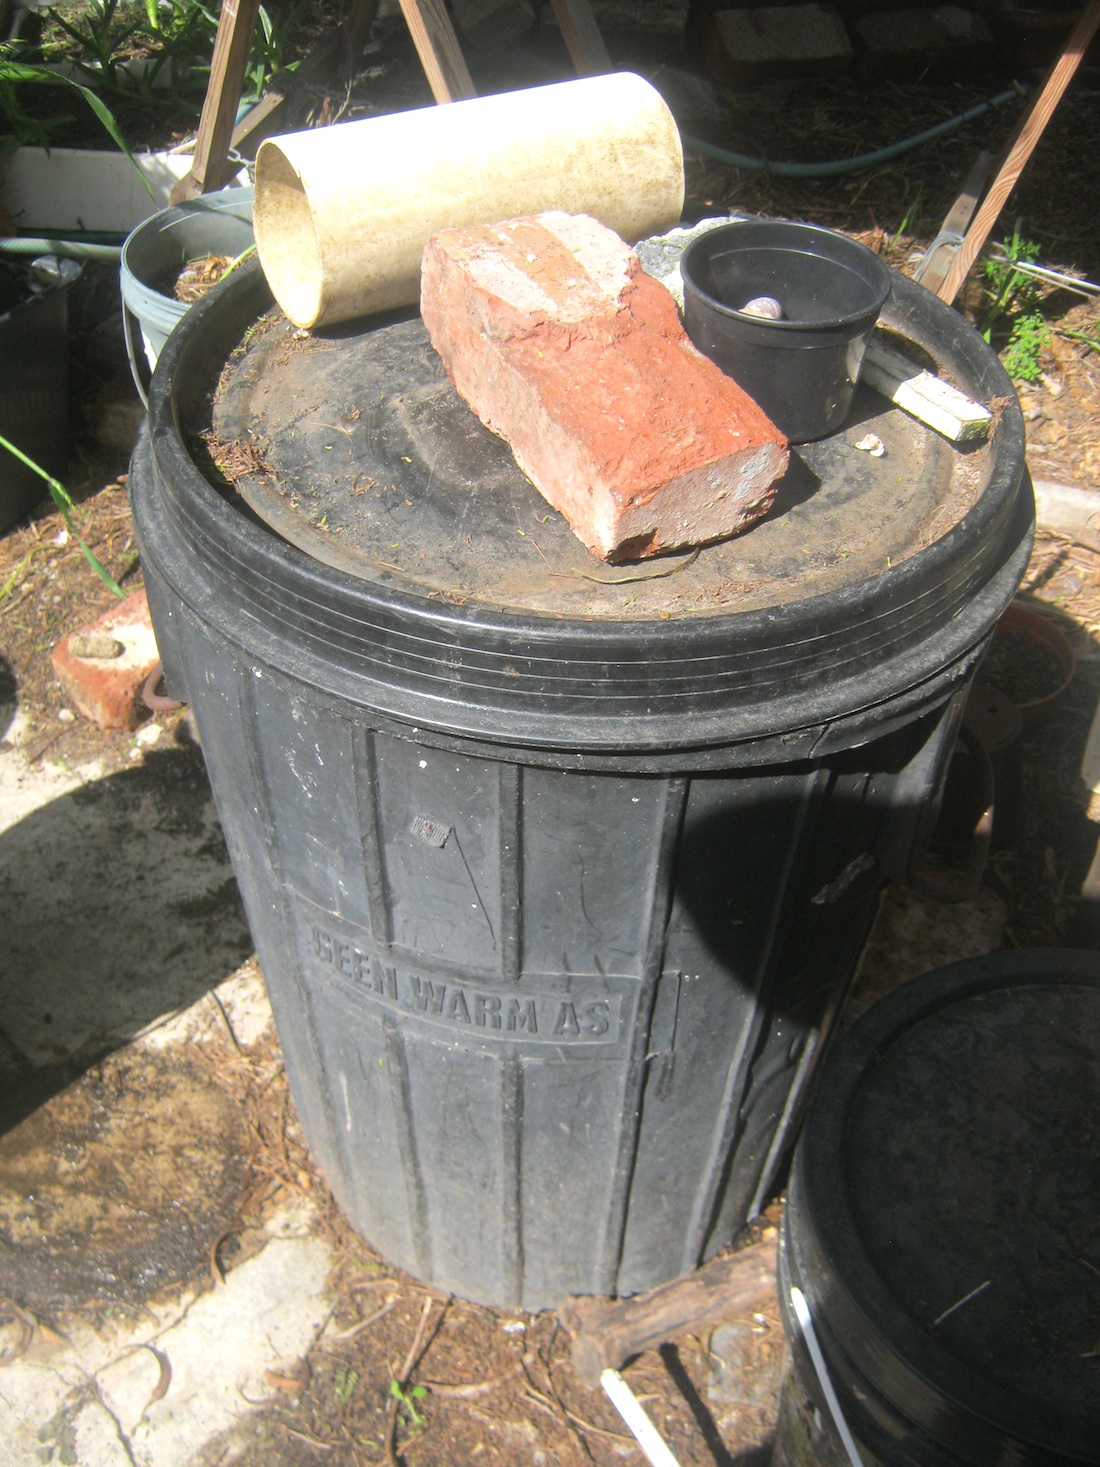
<point>1021,147</point>
<point>932,271</point>
<point>211,168</point>
<point>437,46</point>
<point>582,37</point>
<point>923,395</point>
<point>607,1333</point>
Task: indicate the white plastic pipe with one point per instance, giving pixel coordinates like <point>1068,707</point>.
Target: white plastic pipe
<point>342,214</point>
<point>633,1413</point>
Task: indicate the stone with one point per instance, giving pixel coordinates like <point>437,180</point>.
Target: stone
<point>561,344</point>
<point>493,23</point>
<point>901,41</point>
<point>778,42</point>
<point>105,684</point>
<point>666,19</point>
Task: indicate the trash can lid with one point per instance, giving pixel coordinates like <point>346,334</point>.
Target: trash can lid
<point>947,1204</point>
<point>330,496</point>
<point>354,446</point>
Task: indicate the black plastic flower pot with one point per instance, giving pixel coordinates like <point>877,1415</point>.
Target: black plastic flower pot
<point>803,367</point>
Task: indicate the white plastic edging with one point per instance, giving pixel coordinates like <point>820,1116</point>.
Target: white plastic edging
<point>806,1325</point>
<point>76,188</point>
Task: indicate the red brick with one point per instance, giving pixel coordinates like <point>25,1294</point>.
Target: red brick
<point>558,341</point>
<point>108,689</point>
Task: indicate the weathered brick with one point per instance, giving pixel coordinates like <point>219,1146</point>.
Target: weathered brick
<point>558,341</point>
<point>107,688</point>
<point>782,41</point>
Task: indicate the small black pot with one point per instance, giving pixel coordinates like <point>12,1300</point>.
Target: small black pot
<point>802,369</point>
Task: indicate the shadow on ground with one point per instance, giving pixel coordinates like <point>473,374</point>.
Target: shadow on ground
<point>121,910</point>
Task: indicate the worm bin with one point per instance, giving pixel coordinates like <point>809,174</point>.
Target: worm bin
<point>557,871</point>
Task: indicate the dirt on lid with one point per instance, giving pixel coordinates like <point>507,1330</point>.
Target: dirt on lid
<point>371,463</point>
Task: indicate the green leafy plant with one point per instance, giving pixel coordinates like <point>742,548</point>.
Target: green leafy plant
<point>1009,291</point>
<point>268,56</point>
<point>1011,307</point>
<point>1031,335</point>
<point>65,504</point>
<point>146,56</point>
<point>344,1380</point>
<point>407,1397</point>
<point>141,60</point>
<point>15,73</point>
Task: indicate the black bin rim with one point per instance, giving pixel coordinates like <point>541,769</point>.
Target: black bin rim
<point>905,637</point>
<point>864,1330</point>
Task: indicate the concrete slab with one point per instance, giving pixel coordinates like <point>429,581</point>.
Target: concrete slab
<point>190,1371</point>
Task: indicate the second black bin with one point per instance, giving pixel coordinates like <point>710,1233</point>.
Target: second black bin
<point>557,871</point>
<point>941,1227</point>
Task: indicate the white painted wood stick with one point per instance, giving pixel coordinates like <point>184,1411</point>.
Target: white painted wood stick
<point>924,396</point>
<point>633,1413</point>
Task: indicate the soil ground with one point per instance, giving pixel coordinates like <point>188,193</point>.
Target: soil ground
<point>153,1161</point>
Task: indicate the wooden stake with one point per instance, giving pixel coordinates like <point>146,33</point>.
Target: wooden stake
<point>1021,148</point>
<point>582,37</point>
<point>606,1333</point>
<point>440,54</point>
<point>344,46</point>
<point>211,168</point>
<point>932,271</point>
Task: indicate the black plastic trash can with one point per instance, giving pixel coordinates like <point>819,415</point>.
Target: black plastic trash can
<point>557,871</point>
<point>942,1227</point>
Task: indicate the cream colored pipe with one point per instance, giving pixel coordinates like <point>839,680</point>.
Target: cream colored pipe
<point>342,213</point>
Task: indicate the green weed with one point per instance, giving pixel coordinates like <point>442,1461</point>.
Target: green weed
<point>407,1397</point>
<point>22,127</point>
<point>1008,291</point>
<point>1021,357</point>
<point>138,59</point>
<point>344,1381</point>
<point>1088,339</point>
<point>1011,316</point>
<point>61,498</point>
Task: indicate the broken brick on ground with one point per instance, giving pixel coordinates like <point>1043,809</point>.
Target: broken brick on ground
<point>103,667</point>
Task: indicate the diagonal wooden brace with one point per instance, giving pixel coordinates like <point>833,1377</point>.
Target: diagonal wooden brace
<point>1021,148</point>
<point>211,168</point>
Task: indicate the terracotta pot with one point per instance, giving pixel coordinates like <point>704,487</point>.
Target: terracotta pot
<point>1019,620</point>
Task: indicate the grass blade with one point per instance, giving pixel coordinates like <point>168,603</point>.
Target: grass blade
<point>65,504</point>
<point>104,114</point>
